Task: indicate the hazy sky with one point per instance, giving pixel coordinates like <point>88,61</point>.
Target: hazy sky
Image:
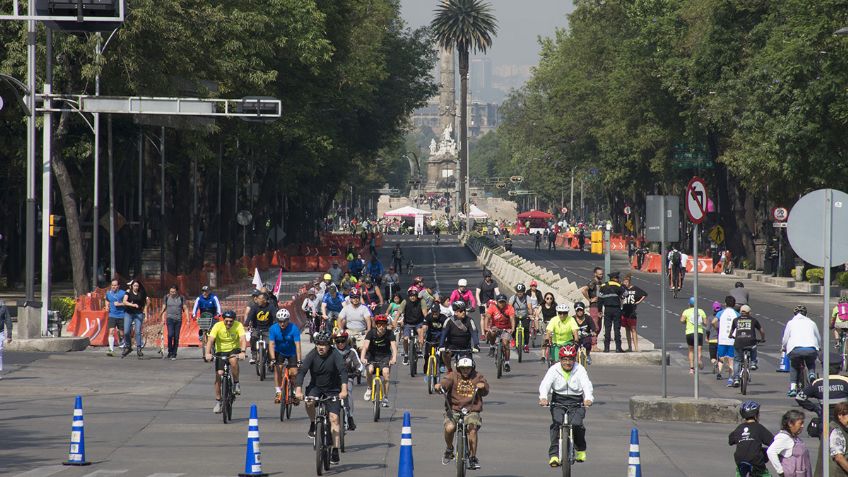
<point>520,23</point>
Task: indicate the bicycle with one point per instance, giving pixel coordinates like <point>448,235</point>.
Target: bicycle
<point>431,370</point>
<point>499,356</point>
<point>204,324</point>
<point>287,389</point>
<point>804,376</point>
<point>745,368</point>
<point>519,339</point>
<point>413,354</point>
<point>227,388</point>
<point>460,437</point>
<point>566,438</point>
<point>377,391</point>
<point>261,355</point>
<point>323,440</point>
<point>841,346</point>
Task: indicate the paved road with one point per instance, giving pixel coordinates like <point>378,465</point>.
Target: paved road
<point>152,417</point>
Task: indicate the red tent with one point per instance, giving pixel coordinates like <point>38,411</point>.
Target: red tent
<point>535,214</point>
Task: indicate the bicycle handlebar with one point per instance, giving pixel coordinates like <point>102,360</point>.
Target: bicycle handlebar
<point>321,399</point>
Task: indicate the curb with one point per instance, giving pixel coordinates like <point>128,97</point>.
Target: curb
<point>49,345</point>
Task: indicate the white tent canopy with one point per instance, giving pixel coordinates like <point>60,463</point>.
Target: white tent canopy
<point>407,211</point>
<point>476,213</point>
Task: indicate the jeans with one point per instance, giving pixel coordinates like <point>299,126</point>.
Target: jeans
<point>612,323</point>
<point>2,344</point>
<point>133,320</point>
<point>174,327</point>
<point>796,356</point>
<point>575,417</point>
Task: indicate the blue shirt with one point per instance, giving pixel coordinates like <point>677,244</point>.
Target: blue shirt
<point>112,297</point>
<point>334,304</point>
<point>284,340</point>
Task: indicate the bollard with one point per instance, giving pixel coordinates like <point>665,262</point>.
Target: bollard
<point>634,463</point>
<point>252,457</point>
<point>76,452</point>
<point>405,465</point>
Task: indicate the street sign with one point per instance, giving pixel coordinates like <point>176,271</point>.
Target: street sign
<point>516,179</point>
<point>806,225</point>
<point>780,214</point>
<point>1,103</point>
<point>627,210</point>
<point>780,225</point>
<point>564,210</point>
<point>717,234</point>
<point>696,200</point>
<point>244,217</point>
<point>512,193</point>
<point>671,214</point>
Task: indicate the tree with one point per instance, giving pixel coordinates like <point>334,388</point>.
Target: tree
<point>468,26</point>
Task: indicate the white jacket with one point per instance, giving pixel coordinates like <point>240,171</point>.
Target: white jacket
<point>578,383</point>
<point>801,332</point>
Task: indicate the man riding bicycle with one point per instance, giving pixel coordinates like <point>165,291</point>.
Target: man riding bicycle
<point>355,317</point>
<point>283,349</point>
<point>839,318</point>
<point>411,313</point>
<point>569,385</point>
<point>312,307</point>
<point>259,321</point>
<point>207,302</point>
<point>354,368</point>
<point>751,440</point>
<point>432,329</point>
<point>523,311</point>
<point>227,338</point>
<point>328,378</point>
<point>379,349</point>
<point>802,342</point>
<point>458,333</point>
<point>743,330</point>
<point>465,389</point>
<point>331,305</point>
<point>562,330</point>
<point>499,324</point>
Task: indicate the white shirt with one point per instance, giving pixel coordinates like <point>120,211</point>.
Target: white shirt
<point>781,447</point>
<point>578,383</point>
<point>446,310</point>
<point>725,319</point>
<point>801,332</point>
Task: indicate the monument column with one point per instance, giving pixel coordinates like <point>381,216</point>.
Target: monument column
<point>447,90</point>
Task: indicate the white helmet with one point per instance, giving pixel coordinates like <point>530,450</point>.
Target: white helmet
<point>283,314</point>
<point>465,363</point>
<point>562,308</point>
<point>462,282</point>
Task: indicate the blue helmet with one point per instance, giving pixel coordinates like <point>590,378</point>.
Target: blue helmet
<point>691,301</point>
<point>749,409</point>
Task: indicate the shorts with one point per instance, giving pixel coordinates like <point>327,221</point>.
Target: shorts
<point>333,407</point>
<point>838,324</point>
<point>713,350</point>
<point>356,337</point>
<point>116,322</point>
<point>724,351</point>
<point>628,321</point>
<point>472,418</point>
<point>407,329</point>
<point>690,339</point>
<point>502,334</point>
<point>379,361</point>
<point>279,360</point>
<point>219,363</point>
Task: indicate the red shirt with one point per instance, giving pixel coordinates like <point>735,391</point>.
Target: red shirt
<point>500,318</point>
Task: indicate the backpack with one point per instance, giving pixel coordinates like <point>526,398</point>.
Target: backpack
<point>842,311</point>
<point>676,258</point>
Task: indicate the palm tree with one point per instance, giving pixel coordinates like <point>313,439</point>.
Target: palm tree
<point>467,25</point>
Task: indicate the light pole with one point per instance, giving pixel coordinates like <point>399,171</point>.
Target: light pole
<point>842,31</point>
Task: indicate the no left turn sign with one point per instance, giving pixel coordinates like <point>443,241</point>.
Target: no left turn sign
<point>696,200</point>
<point>780,214</point>
<point>627,210</point>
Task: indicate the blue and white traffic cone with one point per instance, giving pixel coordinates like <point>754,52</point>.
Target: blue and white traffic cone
<point>784,363</point>
<point>634,462</point>
<point>76,452</point>
<point>252,460</point>
<point>405,465</point>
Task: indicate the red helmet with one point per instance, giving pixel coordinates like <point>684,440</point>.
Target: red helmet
<point>568,351</point>
<point>533,283</point>
<point>354,293</point>
<point>381,319</point>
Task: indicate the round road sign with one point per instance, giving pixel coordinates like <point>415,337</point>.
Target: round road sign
<point>564,210</point>
<point>696,200</point>
<point>244,217</point>
<point>780,214</point>
<point>627,210</point>
<point>805,228</point>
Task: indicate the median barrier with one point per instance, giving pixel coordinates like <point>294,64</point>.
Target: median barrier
<point>688,409</point>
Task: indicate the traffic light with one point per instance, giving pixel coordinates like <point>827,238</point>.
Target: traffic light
<point>57,224</point>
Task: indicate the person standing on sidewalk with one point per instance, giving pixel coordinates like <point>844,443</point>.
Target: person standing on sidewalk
<point>590,291</point>
<point>5,331</point>
<point>609,297</point>
<point>135,305</point>
<point>633,295</point>
<point>173,307</point>
<point>115,301</point>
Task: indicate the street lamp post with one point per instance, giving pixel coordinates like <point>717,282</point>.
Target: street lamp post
<point>842,31</point>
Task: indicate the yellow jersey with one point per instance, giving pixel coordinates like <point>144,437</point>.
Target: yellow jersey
<point>226,340</point>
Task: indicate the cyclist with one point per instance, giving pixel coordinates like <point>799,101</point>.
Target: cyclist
<point>354,368</point>
<point>312,307</point>
<point>331,305</point>
<point>355,317</point>
<point>740,294</point>
<point>547,310</point>
<point>486,291</point>
<point>444,305</point>
<point>751,440</point>
<point>458,333</point>
<point>499,323</point>
<point>328,378</point>
<point>743,330</point>
<point>523,310</point>
<point>207,302</point>
<point>839,318</point>
<point>411,314</point>
<point>802,342</point>
<point>284,341</point>
<point>725,351</point>
<point>375,270</point>
<point>227,337</point>
<point>356,266</point>
<point>585,329</point>
<point>534,296</point>
<point>379,350</point>
<point>676,268</point>
<point>688,317</point>
<point>462,293</point>
<point>259,321</point>
<point>432,329</point>
<point>372,297</point>
<point>562,330</point>
<point>417,284</point>
<point>465,389</point>
<point>427,296</point>
<point>568,384</point>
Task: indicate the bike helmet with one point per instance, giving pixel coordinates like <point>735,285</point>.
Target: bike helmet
<point>749,409</point>
<point>283,314</point>
<point>342,335</point>
<point>800,309</point>
<point>322,338</point>
<point>327,276</point>
<point>579,306</point>
<point>742,285</point>
<point>412,292</point>
<point>562,308</point>
<point>744,309</point>
<point>501,297</point>
<point>229,314</point>
<point>435,307</point>
<point>462,282</point>
<point>204,288</point>
<point>534,283</point>
<point>381,319</point>
<point>843,299</point>
<point>354,293</point>
<point>459,305</point>
<point>465,363</point>
<point>520,288</point>
<point>568,351</point>
<point>367,280</point>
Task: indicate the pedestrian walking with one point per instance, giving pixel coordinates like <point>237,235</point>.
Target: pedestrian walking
<point>173,307</point>
<point>115,321</point>
<point>690,318</point>
<point>135,306</point>
<point>5,331</point>
<point>788,454</point>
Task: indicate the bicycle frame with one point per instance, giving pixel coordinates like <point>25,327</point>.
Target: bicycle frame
<point>227,388</point>
<point>377,391</point>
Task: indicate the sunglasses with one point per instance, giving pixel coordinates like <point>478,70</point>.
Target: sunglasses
<point>566,359</point>
<point>549,299</point>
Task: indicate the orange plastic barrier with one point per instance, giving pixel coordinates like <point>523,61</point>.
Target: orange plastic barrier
<point>312,263</point>
<point>705,265</point>
<point>652,263</point>
<point>719,268</point>
<point>298,264</point>
<point>92,324</point>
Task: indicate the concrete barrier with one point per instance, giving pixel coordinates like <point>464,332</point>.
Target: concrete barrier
<point>49,345</point>
<point>656,408</point>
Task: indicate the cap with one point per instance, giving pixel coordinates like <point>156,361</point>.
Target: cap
<point>327,276</point>
<point>745,309</point>
<point>691,301</point>
<point>614,274</point>
<point>579,306</point>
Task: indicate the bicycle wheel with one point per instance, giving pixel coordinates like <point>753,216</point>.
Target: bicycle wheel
<point>285,398</point>
<point>460,453</point>
<point>413,358</point>
<point>499,358</point>
<point>261,364</point>
<point>744,376</point>
<point>319,447</point>
<point>519,344</point>
<point>342,428</point>
<point>567,457</point>
<point>432,369</point>
<point>225,398</point>
<point>290,401</point>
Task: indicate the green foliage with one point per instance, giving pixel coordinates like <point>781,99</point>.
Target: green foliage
<point>842,279</point>
<point>467,25</point>
<point>64,305</point>
<point>815,275</point>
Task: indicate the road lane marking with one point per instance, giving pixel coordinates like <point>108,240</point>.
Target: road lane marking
<point>46,471</point>
<point>106,473</point>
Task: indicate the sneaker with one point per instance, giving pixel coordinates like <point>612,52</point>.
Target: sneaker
<point>588,360</point>
<point>506,367</point>
<point>173,358</point>
<point>792,393</point>
<point>217,409</point>
<point>443,369</point>
<point>237,389</point>
<point>139,353</point>
<point>754,366</point>
<point>252,361</point>
<point>385,402</point>
<point>122,345</point>
<point>491,352</point>
<point>125,352</point>
<point>367,396</point>
<point>448,456</point>
<point>718,376</point>
<point>278,398</point>
<point>554,461</point>
<point>311,431</point>
<point>691,370</point>
<point>526,348</point>
<point>580,456</point>
<point>420,355</point>
<point>735,383</point>
<point>473,462</point>
<point>406,360</point>
<point>730,382</point>
<point>334,456</point>
<point>351,426</point>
